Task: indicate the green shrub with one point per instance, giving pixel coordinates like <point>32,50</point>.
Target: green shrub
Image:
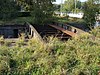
<point>96,32</point>
<point>1,40</point>
<point>78,56</point>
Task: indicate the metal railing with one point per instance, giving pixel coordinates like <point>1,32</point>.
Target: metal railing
<point>32,32</point>
<point>69,28</point>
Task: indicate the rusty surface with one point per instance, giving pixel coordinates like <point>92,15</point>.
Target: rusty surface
<point>64,31</point>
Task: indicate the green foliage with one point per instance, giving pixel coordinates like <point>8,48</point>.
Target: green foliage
<point>71,5</point>
<point>8,9</point>
<point>42,10</point>
<point>22,20</point>
<point>91,10</point>
<point>1,40</point>
<point>79,56</point>
<point>21,40</point>
<point>96,32</point>
<point>57,7</point>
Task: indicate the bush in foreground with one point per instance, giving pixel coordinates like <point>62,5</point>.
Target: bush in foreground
<point>79,56</point>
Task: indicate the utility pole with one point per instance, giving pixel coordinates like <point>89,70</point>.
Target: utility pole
<point>61,14</point>
<point>75,6</point>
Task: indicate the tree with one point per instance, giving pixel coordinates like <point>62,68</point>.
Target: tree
<point>41,9</point>
<point>57,7</point>
<point>69,5</point>
<point>78,5</point>
<point>8,9</point>
<point>72,5</point>
<point>91,9</point>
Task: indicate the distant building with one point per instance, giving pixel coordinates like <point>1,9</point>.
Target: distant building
<point>63,14</point>
<point>76,15</point>
<point>60,14</point>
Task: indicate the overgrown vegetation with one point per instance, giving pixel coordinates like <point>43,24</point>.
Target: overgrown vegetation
<point>91,11</point>
<point>40,10</point>
<point>79,56</point>
<point>8,10</point>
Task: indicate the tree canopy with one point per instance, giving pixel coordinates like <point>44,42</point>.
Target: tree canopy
<point>41,9</point>
<point>8,9</point>
<point>91,10</point>
<point>72,5</point>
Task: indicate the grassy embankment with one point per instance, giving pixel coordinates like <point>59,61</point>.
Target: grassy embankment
<point>18,20</point>
<point>58,19</point>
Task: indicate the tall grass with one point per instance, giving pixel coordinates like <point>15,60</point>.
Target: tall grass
<point>79,56</point>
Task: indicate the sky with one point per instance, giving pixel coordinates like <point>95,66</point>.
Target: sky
<point>59,1</point>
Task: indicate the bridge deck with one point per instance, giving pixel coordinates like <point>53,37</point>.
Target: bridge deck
<point>63,30</point>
